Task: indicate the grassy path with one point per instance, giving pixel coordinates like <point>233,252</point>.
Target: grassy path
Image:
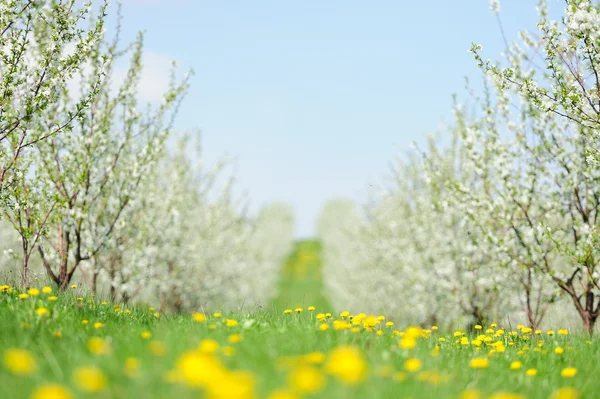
<point>301,282</point>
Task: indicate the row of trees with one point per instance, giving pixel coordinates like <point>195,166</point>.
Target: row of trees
<point>89,189</point>
<point>504,217</point>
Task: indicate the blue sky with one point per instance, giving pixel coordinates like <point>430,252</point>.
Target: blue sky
<point>316,97</point>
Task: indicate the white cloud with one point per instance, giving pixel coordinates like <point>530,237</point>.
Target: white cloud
<point>154,78</point>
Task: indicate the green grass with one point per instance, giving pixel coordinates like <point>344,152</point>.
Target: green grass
<point>301,282</point>
<point>271,350</point>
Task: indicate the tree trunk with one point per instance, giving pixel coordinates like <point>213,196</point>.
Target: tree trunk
<point>25,263</point>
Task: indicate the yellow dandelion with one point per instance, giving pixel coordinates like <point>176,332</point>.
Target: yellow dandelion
<point>89,379</point>
<point>282,394</point>
<point>208,346</point>
<point>471,394</point>
<point>230,323</point>
<point>408,342</point>
<point>146,334</point>
<point>132,366</point>
<point>479,363</point>
<point>569,372</point>
<point>98,346</point>
<point>412,365</point>
<point>306,380</point>
<point>47,290</point>
<point>19,361</point>
<point>228,351</point>
<point>516,365</point>
<point>41,311</point>
<point>157,348</point>
<point>51,391</point>
<point>347,364</point>
<point>234,338</point>
<point>566,393</point>
<point>199,317</point>
<point>287,311</point>
<point>531,372</point>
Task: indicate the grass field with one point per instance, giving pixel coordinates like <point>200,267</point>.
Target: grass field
<point>70,345</point>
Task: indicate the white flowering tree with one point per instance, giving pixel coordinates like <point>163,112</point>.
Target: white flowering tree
<point>567,59</point>
<point>34,70</point>
<point>95,169</point>
<point>548,171</point>
<point>411,254</point>
<point>189,244</point>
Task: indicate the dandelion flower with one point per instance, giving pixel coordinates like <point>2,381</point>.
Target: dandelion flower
<point>199,317</point>
<point>228,351</point>
<point>408,343</point>
<point>471,394</point>
<point>569,372</point>
<point>306,380</point>
<point>531,372</point>
<point>19,362</point>
<point>347,364</point>
<point>51,391</point>
<point>41,311</point>
<point>282,394</point>
<point>132,366</point>
<point>230,323</point>
<point>98,346</point>
<point>412,365</point>
<point>157,348</point>
<point>89,379</point>
<point>516,365</point>
<point>234,338</point>
<point>479,363</point>
<point>208,346</point>
<point>565,393</point>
